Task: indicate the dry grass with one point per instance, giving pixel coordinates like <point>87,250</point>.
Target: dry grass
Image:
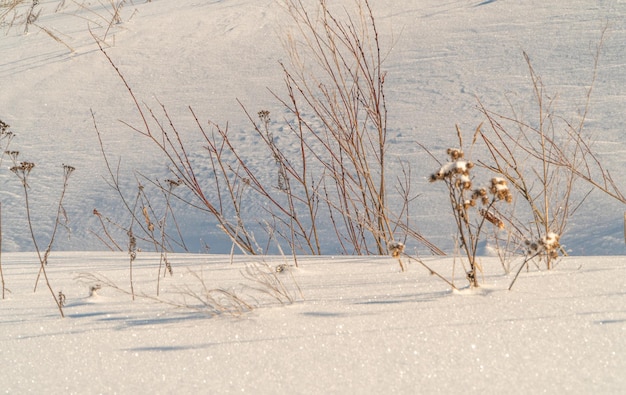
<point>337,179</point>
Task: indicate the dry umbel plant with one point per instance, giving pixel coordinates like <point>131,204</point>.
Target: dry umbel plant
<point>23,169</point>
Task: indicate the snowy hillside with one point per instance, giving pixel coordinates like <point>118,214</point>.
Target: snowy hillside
<point>208,55</point>
<point>184,322</point>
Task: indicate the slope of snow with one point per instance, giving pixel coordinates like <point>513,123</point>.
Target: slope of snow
<point>358,325</point>
<point>209,54</point>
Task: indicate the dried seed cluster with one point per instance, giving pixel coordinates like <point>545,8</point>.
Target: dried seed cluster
<point>173,183</point>
<point>548,245</point>
<point>4,127</point>
<point>458,169</point>
<point>458,172</point>
<point>23,167</point>
<point>395,248</point>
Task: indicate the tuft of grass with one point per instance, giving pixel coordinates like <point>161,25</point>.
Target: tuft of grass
<point>269,281</point>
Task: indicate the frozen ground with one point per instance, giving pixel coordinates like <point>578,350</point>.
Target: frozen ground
<point>363,327</point>
<point>442,55</point>
<point>357,324</point>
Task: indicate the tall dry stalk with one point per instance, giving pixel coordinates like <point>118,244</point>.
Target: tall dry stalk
<point>22,170</point>
<point>339,102</point>
<point>1,272</point>
<point>544,159</point>
<point>5,141</point>
<point>335,181</point>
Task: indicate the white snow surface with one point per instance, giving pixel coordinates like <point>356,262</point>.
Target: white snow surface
<point>439,58</point>
<point>358,325</point>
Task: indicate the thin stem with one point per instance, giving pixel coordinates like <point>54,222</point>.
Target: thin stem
<point>42,260</point>
<point>1,273</point>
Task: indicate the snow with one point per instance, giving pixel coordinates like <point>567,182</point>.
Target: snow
<point>440,57</point>
<point>356,324</point>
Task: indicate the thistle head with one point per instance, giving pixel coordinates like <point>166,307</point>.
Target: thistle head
<point>395,248</point>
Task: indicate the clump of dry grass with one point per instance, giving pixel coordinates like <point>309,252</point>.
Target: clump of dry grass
<point>269,281</point>
<point>193,291</point>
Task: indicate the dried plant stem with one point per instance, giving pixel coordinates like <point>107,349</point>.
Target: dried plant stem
<point>5,138</point>
<point>106,232</point>
<point>1,272</point>
<point>338,128</point>
<point>42,259</point>
<point>543,159</point>
<point>60,212</point>
<point>55,37</point>
<point>412,258</point>
<point>522,266</point>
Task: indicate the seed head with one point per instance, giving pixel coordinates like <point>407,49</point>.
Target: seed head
<point>455,153</point>
<point>395,248</point>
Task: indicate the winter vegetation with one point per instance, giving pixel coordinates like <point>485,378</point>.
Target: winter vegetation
<point>285,192</point>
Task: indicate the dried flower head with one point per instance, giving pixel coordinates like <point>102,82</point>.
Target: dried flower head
<point>61,298</point>
<point>23,169</point>
<point>547,245</point>
<point>132,245</point>
<point>12,154</point>
<point>463,182</point>
<point>4,126</point>
<point>455,153</point>
<point>173,183</point>
<point>451,169</point>
<point>395,248</point>
<point>146,216</point>
<point>68,170</point>
<point>500,190</point>
<point>26,166</point>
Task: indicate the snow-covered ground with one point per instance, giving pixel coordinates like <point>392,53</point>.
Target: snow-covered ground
<point>441,57</point>
<point>356,324</point>
<point>362,327</point>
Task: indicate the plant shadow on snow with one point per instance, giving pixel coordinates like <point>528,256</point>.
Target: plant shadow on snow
<point>130,321</point>
<point>485,3</point>
<point>324,314</point>
<point>607,322</point>
<point>166,348</point>
<point>89,314</point>
<point>408,298</point>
